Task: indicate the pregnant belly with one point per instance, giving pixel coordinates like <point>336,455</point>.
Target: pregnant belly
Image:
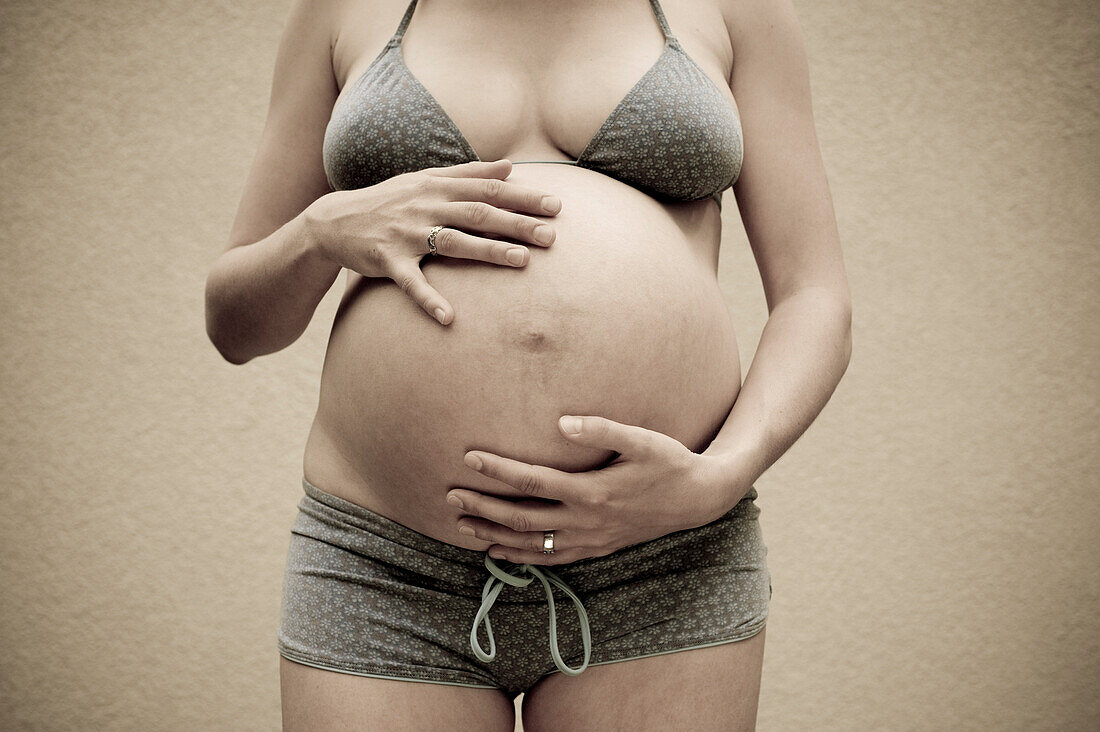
<point>620,317</point>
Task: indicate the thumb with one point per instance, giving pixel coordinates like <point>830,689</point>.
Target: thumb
<point>410,278</point>
<point>477,169</point>
<point>600,432</point>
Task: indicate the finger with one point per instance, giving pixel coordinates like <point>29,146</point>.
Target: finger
<point>600,432</point>
<point>475,169</point>
<point>454,243</point>
<point>482,216</point>
<point>495,533</point>
<point>524,556</point>
<point>503,194</point>
<point>410,278</point>
<point>522,516</point>
<point>536,481</point>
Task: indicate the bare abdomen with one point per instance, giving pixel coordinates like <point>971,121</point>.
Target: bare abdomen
<point>620,317</point>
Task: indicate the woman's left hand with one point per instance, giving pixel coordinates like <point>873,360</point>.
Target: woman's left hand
<point>655,487</point>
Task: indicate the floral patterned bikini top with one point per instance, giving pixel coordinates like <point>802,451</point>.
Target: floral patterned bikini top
<point>673,136</point>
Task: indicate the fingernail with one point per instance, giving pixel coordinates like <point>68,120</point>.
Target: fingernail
<point>496,555</point>
<point>454,500</point>
<point>515,256</point>
<point>544,233</point>
<point>440,314</point>
<point>572,425</point>
<point>550,204</point>
<point>465,530</point>
<point>473,461</point>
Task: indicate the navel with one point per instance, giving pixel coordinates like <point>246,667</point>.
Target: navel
<point>535,341</point>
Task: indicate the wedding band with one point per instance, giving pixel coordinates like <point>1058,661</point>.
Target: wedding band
<point>548,542</point>
<point>431,239</point>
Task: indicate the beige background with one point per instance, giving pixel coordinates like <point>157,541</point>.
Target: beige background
<point>932,536</point>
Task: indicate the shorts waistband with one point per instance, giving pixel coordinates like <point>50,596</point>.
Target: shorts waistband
<point>338,514</point>
<point>342,513</point>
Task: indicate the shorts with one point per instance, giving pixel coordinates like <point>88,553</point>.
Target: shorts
<point>365,595</point>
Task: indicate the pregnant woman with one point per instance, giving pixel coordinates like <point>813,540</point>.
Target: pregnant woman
<point>532,464</point>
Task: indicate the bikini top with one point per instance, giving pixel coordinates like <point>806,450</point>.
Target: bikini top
<point>673,135</point>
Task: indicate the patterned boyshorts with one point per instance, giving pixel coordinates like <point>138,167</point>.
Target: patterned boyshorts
<point>366,595</point>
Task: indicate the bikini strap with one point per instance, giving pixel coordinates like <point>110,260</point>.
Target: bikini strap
<point>660,20</point>
<point>399,34</point>
<point>655,4</point>
<point>658,11</point>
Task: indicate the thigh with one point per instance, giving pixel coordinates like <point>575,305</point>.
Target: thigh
<point>318,700</point>
<point>712,688</point>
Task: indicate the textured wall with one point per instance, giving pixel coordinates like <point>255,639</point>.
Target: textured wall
<point>931,537</point>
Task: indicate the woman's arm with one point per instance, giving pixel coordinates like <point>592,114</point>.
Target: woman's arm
<point>263,290</point>
<point>784,199</point>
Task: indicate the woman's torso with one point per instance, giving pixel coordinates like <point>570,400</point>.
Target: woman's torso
<point>620,317</point>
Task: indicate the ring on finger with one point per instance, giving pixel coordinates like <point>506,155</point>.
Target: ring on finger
<point>431,239</point>
<point>528,541</point>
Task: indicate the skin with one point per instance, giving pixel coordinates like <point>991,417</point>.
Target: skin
<point>263,290</point>
<point>785,204</point>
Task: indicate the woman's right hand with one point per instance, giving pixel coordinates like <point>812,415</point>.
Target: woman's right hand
<point>382,230</point>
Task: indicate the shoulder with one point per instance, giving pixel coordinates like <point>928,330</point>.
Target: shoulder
<point>763,33</point>
<point>751,23</point>
<point>313,16</point>
<point>352,19</point>
<point>325,17</point>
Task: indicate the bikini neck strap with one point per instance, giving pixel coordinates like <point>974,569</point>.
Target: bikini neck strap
<point>658,11</point>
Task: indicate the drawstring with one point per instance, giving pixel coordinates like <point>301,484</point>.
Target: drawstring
<point>493,587</point>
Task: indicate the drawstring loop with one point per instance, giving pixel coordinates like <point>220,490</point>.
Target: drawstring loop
<point>495,585</point>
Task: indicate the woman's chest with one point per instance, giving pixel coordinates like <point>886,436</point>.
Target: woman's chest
<point>537,80</point>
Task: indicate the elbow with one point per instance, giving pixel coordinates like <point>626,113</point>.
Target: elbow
<point>834,306</point>
<point>231,357</point>
<point>219,331</point>
<point>223,344</point>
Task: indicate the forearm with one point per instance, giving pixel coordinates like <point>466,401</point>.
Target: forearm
<point>803,352</point>
<point>261,296</point>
